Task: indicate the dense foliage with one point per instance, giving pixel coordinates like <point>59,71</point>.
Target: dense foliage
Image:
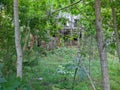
<point>54,69</point>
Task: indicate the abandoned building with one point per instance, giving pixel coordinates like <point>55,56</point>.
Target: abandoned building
<point>69,32</point>
<point>70,27</point>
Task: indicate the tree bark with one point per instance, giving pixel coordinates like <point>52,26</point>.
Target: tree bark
<point>116,31</point>
<point>101,46</point>
<point>17,40</point>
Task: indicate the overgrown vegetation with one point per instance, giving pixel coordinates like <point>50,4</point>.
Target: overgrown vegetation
<point>56,71</point>
<point>58,43</point>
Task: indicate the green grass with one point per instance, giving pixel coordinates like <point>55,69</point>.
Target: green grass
<point>47,66</point>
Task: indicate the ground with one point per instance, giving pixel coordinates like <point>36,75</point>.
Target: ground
<point>56,71</point>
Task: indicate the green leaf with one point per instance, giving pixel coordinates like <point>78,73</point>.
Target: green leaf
<point>1,65</point>
<point>2,80</point>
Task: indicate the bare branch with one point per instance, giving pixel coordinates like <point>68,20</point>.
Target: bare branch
<point>67,6</point>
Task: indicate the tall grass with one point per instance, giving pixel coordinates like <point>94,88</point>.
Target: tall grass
<point>57,70</point>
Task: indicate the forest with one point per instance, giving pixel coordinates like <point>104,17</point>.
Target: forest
<point>59,44</point>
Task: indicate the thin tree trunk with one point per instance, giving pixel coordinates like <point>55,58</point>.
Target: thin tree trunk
<point>116,31</point>
<point>101,46</point>
<point>17,40</point>
<point>26,39</point>
<point>89,77</point>
<point>90,53</point>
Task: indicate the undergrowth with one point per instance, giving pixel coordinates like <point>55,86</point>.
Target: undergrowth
<point>55,71</point>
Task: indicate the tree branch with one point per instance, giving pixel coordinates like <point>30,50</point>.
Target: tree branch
<point>66,6</point>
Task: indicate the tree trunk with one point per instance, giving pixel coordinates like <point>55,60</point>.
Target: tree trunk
<point>17,40</point>
<point>101,46</point>
<point>116,31</point>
